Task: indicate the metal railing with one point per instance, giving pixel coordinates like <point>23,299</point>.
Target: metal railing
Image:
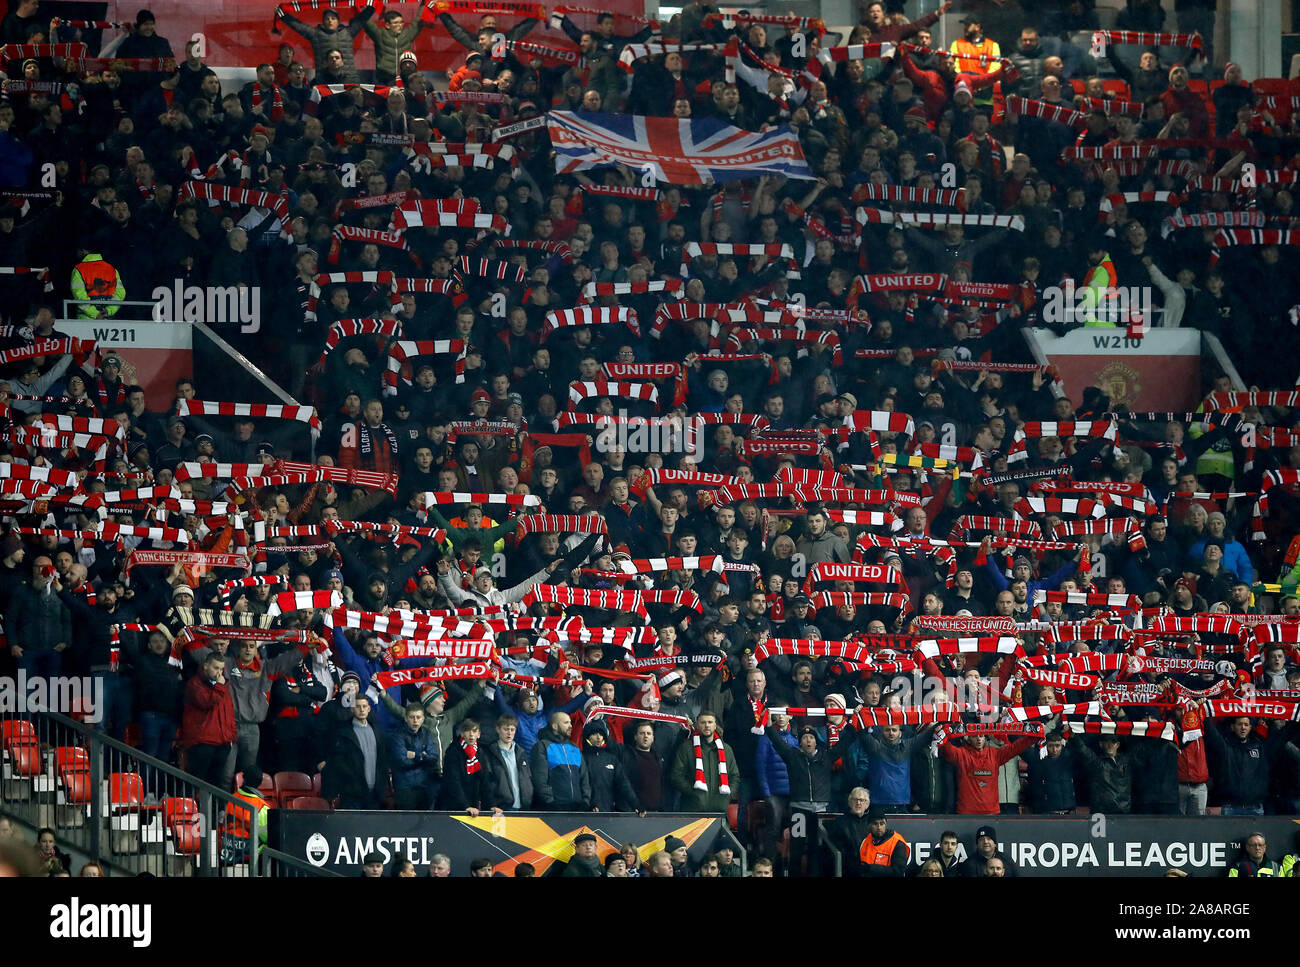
<point>238,377</point>
<point>1212,348</point>
<point>130,811</point>
<point>275,863</point>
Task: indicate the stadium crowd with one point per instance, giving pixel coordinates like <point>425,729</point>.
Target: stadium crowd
<point>889,510</point>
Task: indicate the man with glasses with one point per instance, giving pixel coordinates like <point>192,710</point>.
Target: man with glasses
<point>848,831</point>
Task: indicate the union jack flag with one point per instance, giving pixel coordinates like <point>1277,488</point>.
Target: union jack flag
<point>676,151</point>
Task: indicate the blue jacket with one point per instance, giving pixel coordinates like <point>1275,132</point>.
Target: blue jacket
<point>530,725</point>
<point>561,779</point>
<point>773,778</point>
<point>1234,558</point>
<point>365,667</point>
<point>1049,583</point>
<point>413,773</point>
<point>15,160</point>
<point>889,769</point>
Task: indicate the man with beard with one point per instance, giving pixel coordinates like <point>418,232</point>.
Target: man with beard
<point>883,852</point>
<point>646,768</point>
<point>975,53</point>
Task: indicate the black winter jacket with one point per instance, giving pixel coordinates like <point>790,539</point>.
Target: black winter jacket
<point>611,790</point>
<point>810,776</point>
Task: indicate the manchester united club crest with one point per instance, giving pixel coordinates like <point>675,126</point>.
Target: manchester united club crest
<point>1119,381</point>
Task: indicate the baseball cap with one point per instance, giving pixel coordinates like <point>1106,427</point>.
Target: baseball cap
<point>850,399</point>
<point>800,599</point>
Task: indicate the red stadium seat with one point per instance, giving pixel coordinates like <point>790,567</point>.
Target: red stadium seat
<point>17,729</point>
<point>1116,88</point>
<point>181,820</point>
<point>267,790</point>
<point>1078,86</point>
<point>1271,85</point>
<point>733,815</point>
<point>23,747</point>
<point>315,784</point>
<point>291,784</point>
<point>125,789</point>
<point>72,766</point>
<point>309,802</point>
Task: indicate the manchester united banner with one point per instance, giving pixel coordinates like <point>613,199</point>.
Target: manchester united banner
<point>677,151</point>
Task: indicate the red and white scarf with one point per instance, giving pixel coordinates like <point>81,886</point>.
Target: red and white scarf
<point>432,498</point>
<point>277,102</point>
<point>450,213</point>
<point>304,601</point>
<point>594,290</point>
<point>593,316</point>
<point>1142,38</point>
<point>406,349</point>
<point>724,788</point>
<point>345,328</point>
<point>302,414</point>
<point>526,51</point>
<point>561,523</point>
<point>472,765</point>
<point>950,197</point>
<point>580,390</point>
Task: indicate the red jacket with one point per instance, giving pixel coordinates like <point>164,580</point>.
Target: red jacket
<point>1192,105</point>
<point>977,774</point>
<point>209,715</point>
<point>933,88</point>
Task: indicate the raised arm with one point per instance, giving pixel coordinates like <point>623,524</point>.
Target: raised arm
<point>454,592</point>
<point>521,29</point>
<point>1009,752</point>
<point>360,20</point>
<point>297,26</point>
<point>458,33</point>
